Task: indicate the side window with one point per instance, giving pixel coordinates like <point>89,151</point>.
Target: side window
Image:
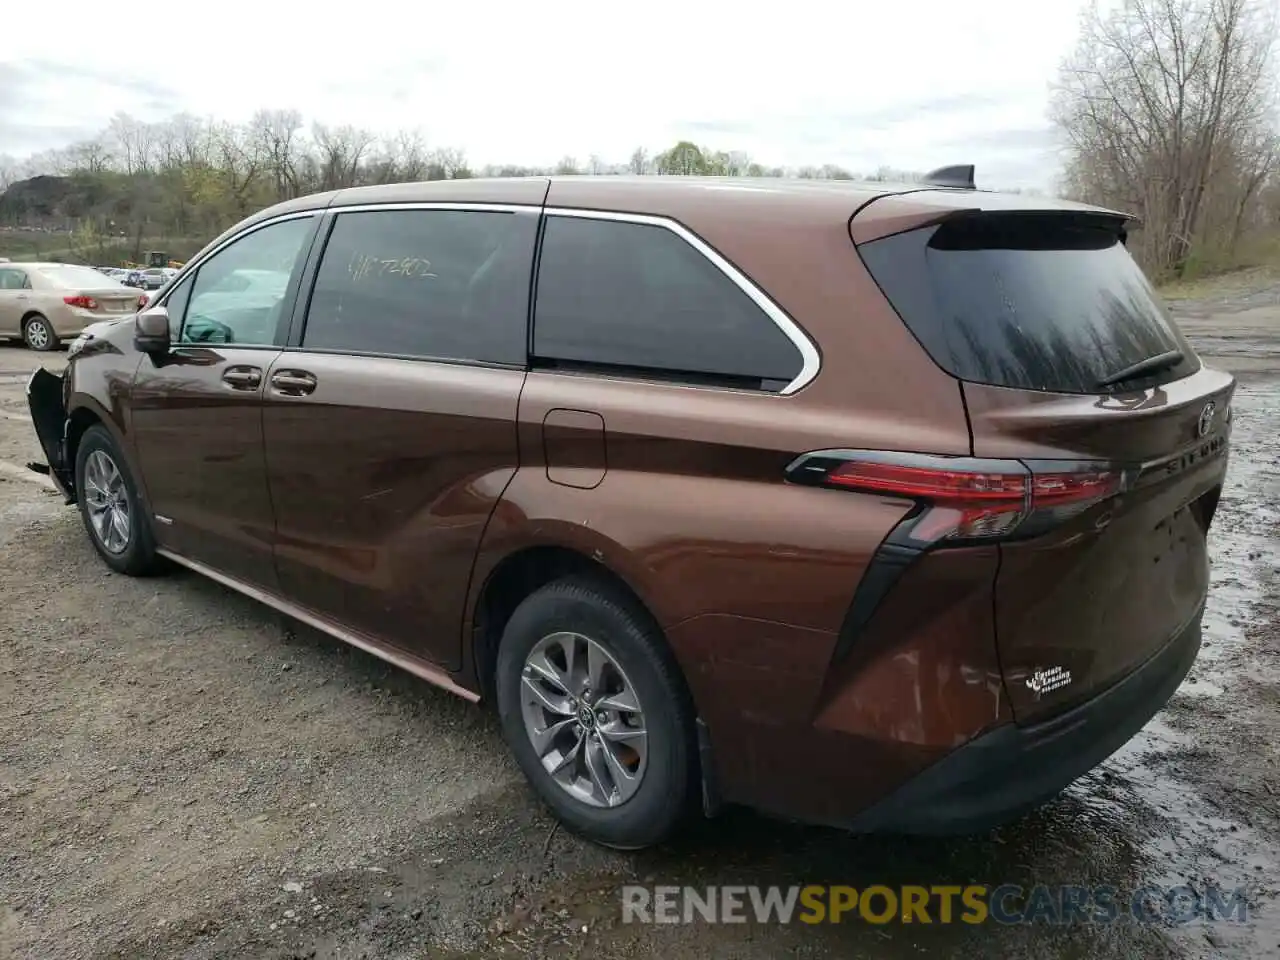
<point>176,304</point>
<point>448,284</point>
<point>632,295</point>
<point>11,279</point>
<point>239,293</point>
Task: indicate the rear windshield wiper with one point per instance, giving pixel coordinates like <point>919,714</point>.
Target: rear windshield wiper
<point>1161,361</point>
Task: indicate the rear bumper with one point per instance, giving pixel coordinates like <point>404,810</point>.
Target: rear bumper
<point>1012,769</point>
<point>71,322</point>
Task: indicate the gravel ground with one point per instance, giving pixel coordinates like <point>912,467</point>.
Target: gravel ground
<point>184,774</point>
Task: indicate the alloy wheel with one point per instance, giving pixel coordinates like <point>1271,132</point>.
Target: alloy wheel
<point>107,502</point>
<point>584,719</point>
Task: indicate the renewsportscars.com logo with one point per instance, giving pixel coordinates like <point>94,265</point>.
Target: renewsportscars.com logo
<point>1063,905</point>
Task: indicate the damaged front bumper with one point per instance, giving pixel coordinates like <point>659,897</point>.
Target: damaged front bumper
<point>49,417</point>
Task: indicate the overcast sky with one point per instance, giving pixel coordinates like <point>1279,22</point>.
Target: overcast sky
<point>911,84</point>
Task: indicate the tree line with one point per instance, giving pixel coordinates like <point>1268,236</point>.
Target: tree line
<point>190,178</point>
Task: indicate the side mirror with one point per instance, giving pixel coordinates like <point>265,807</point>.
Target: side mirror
<point>151,331</point>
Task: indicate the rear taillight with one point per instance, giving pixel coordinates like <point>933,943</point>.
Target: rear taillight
<point>143,301</point>
<point>79,300</point>
<point>962,499</point>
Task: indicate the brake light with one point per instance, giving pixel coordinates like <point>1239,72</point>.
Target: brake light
<point>79,300</point>
<point>965,499</point>
<point>143,301</point>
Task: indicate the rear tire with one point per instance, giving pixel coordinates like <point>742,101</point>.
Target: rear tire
<point>37,333</point>
<point>111,507</point>
<point>617,786</point>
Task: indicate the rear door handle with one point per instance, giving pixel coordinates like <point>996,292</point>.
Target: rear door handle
<point>242,378</point>
<point>293,383</point>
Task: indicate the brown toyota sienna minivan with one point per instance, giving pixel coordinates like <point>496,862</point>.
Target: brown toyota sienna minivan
<point>868,505</point>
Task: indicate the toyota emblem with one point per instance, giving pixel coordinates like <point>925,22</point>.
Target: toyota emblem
<point>1206,419</point>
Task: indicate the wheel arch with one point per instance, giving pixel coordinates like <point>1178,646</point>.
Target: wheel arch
<point>520,572</point>
<point>84,412</point>
<point>79,420</point>
<point>515,576</point>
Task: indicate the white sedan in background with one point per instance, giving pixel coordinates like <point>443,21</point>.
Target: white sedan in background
<point>45,303</point>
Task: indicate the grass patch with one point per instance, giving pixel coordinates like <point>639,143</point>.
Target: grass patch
<point>1240,280</point>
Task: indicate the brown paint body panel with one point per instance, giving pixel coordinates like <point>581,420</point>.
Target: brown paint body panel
<point>383,480</point>
<point>823,743</point>
<point>199,444</point>
<point>1100,594</point>
<point>752,578</point>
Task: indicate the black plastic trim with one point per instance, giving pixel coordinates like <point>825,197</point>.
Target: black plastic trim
<point>959,176</point>
<point>890,561</point>
<point>1012,769</point>
<point>712,796</point>
<point>812,468</point>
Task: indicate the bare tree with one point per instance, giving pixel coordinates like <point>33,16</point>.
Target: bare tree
<point>275,135</point>
<point>10,171</point>
<point>411,156</point>
<point>239,165</point>
<point>342,151</point>
<point>91,156</point>
<point>1166,108</point>
<point>447,163</point>
<point>133,143</point>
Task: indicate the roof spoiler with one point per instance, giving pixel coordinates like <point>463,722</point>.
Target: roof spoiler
<point>959,177</point>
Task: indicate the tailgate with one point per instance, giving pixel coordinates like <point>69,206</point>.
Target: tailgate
<point>1070,365</point>
<point>1082,605</point>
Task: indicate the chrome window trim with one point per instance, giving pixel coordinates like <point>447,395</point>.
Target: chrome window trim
<point>437,205</point>
<point>811,359</point>
<point>162,299</point>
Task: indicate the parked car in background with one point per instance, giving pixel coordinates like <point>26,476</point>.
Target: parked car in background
<point>45,303</point>
<point>870,505</point>
<point>153,278</point>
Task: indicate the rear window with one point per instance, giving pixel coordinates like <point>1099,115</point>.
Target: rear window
<point>73,276</point>
<point>1048,303</point>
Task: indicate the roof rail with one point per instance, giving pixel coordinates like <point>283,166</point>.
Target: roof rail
<point>959,176</point>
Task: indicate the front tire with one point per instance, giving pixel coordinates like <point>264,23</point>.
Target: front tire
<point>110,506</point>
<point>37,333</point>
<point>596,713</point>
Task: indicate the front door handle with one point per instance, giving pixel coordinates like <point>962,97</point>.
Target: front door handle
<point>293,383</point>
<point>242,378</point>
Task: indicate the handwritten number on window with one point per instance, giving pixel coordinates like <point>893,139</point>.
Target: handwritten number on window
<point>363,266</point>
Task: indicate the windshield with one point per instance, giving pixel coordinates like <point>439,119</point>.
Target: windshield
<point>1040,302</point>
